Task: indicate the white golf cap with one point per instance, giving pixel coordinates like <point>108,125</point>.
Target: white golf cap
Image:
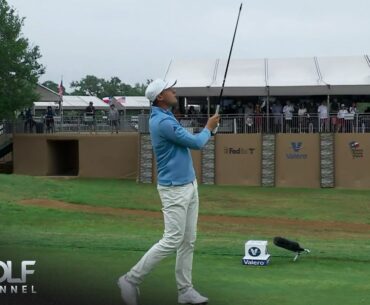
<point>156,87</point>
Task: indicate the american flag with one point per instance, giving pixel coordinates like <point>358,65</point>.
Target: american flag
<point>61,88</point>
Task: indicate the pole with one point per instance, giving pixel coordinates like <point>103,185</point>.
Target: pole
<point>208,106</point>
<point>268,110</point>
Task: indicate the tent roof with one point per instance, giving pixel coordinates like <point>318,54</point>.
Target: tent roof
<point>75,102</point>
<point>70,101</point>
<point>133,102</point>
<point>291,76</point>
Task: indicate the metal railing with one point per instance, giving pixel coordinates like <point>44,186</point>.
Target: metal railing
<point>261,123</point>
<point>229,123</point>
<point>85,124</point>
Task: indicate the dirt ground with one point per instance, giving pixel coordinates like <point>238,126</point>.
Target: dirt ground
<point>215,222</point>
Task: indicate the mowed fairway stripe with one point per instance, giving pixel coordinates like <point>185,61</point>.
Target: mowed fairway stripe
<point>238,220</point>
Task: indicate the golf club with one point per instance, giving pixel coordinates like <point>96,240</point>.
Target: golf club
<point>227,67</point>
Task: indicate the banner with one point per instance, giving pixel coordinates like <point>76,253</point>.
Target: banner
<point>298,160</point>
<point>352,160</point>
<point>238,159</point>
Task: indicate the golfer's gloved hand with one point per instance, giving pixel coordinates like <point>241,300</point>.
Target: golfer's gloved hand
<point>213,122</point>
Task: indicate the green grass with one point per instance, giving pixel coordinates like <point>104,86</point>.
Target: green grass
<point>80,255</point>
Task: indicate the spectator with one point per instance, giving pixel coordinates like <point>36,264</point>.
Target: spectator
<point>248,117</point>
<point>353,113</point>
<point>353,108</point>
<point>249,110</point>
<point>90,116</point>
<point>21,116</point>
<point>288,115</point>
<point>302,117</point>
<point>258,117</point>
<point>177,113</point>
<point>323,117</point>
<point>49,120</point>
<point>29,122</point>
<point>239,107</point>
<point>341,118</point>
<point>276,110</point>
<point>191,111</point>
<point>113,117</point>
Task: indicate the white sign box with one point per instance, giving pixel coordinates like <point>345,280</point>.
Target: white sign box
<point>256,253</point>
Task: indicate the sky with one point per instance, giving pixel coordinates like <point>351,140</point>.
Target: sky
<point>135,39</point>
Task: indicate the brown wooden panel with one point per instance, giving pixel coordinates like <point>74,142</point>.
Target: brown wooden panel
<point>30,155</point>
<point>352,160</point>
<point>298,160</point>
<point>238,159</point>
<point>111,156</point>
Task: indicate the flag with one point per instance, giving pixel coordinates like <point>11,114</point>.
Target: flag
<point>61,89</point>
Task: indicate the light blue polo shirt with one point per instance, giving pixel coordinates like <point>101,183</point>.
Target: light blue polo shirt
<point>171,144</point>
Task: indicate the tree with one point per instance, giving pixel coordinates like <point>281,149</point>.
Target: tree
<point>19,66</point>
<point>92,85</point>
<point>51,85</point>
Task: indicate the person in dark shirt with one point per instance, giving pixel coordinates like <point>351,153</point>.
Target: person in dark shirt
<point>49,119</point>
<point>90,116</point>
<point>29,122</point>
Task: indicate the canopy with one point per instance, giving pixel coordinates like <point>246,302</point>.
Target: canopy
<point>277,77</point>
<point>133,102</point>
<point>75,102</point>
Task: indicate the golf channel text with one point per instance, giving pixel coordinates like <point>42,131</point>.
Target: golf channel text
<point>9,284</point>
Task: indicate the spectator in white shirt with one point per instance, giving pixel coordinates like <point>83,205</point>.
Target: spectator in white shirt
<point>302,117</point>
<point>351,117</point>
<point>353,108</point>
<point>323,116</point>
<point>341,115</point>
<point>288,115</point>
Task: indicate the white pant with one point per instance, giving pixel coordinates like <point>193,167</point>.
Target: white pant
<point>180,210</point>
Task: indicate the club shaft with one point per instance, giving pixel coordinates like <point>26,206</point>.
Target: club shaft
<point>231,51</point>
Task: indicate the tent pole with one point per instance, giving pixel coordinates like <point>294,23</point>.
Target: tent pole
<point>327,125</point>
<point>268,110</point>
<point>208,106</point>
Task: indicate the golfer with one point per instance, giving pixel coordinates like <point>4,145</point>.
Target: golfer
<point>178,190</point>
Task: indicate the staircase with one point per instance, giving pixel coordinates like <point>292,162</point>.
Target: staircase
<point>6,148</point>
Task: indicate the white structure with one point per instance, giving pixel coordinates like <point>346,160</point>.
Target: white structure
<point>133,102</point>
<point>273,77</point>
<point>74,103</point>
<point>256,253</point>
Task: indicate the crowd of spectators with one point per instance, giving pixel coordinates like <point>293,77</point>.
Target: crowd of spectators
<point>285,115</point>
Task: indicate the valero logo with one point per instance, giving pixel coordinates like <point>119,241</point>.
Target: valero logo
<point>254,251</point>
<point>296,154</point>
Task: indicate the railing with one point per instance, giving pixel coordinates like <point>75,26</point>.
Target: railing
<point>76,125</point>
<point>308,123</point>
<point>229,123</point>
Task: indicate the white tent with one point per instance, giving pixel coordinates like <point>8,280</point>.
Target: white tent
<point>276,77</point>
<point>133,102</point>
<point>75,102</point>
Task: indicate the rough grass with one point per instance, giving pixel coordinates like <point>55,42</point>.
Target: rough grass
<point>80,255</point>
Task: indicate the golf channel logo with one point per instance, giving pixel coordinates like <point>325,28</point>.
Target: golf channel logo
<point>9,284</point>
<point>239,151</point>
<point>356,151</point>
<point>296,154</point>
